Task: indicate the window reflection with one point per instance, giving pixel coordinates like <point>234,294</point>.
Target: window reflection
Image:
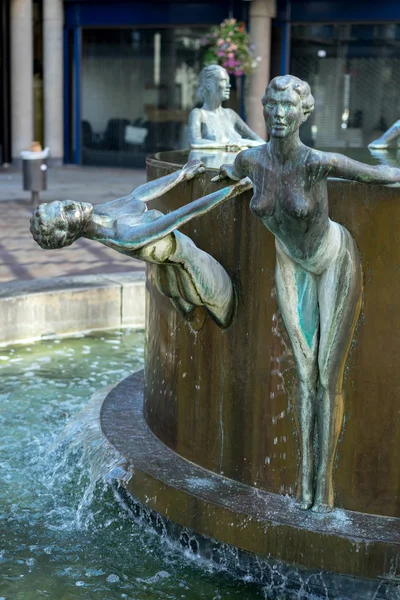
<point>138,87</point>
<point>354,73</point>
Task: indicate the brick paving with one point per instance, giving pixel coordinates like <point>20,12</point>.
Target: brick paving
<point>21,258</point>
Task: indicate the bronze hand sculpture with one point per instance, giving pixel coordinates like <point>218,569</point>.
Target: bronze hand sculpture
<point>187,275</point>
<point>318,270</point>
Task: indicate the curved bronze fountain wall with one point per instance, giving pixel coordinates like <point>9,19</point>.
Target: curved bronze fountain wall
<point>222,399</point>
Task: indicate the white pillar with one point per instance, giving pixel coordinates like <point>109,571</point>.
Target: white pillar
<point>21,76</point>
<point>53,20</point>
<point>261,13</point>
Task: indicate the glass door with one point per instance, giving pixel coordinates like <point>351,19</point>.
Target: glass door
<point>137,89</point>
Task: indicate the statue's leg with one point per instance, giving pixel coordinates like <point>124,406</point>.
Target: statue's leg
<point>203,281</point>
<point>339,296</point>
<point>165,273</point>
<point>167,283</point>
<point>297,299</point>
<point>191,277</point>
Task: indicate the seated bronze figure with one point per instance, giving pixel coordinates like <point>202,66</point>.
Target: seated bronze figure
<point>213,126</point>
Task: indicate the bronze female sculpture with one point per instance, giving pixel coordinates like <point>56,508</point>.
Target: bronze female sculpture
<point>187,275</point>
<point>213,126</point>
<point>318,269</point>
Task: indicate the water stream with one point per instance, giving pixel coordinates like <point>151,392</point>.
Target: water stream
<point>63,536</point>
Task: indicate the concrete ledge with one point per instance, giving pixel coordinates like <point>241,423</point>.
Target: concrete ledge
<point>65,305</point>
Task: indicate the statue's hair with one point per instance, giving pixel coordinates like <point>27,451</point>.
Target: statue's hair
<point>50,227</point>
<point>205,76</point>
<point>301,87</point>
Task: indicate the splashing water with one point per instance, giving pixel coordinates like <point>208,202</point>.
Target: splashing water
<point>62,535</point>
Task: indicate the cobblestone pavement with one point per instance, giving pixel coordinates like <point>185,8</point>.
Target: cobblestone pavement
<point>21,258</point>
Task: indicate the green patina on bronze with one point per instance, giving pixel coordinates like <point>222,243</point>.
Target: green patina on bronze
<point>314,253</point>
<point>188,276</point>
<point>306,309</point>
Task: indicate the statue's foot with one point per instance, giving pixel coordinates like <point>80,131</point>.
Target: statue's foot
<point>322,508</point>
<point>303,503</point>
<point>305,496</point>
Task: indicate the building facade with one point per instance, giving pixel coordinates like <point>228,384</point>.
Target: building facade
<point>105,82</point>
<point>349,52</point>
<point>130,76</point>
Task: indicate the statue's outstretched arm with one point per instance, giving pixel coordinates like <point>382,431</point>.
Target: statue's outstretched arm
<point>234,171</point>
<point>138,235</point>
<point>337,165</point>
<point>153,189</point>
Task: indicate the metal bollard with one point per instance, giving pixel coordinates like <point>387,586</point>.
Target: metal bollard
<point>34,171</point>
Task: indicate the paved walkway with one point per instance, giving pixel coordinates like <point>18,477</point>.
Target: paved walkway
<point>21,258</point>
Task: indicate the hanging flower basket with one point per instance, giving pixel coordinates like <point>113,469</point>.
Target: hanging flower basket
<point>228,45</point>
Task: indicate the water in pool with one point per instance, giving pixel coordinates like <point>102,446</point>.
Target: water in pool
<point>62,534</point>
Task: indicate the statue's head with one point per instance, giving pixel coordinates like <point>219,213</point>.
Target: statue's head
<point>214,84</point>
<point>287,103</point>
<point>59,224</point>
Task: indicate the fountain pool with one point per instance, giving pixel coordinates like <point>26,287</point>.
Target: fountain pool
<point>62,535</point>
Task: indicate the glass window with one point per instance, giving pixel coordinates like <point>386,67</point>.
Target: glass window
<point>138,87</point>
<point>354,73</point>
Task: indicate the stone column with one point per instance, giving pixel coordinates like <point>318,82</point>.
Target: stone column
<point>53,19</point>
<point>21,76</point>
<point>261,13</point>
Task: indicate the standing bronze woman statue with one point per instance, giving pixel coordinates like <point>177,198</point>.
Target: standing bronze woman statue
<point>213,126</point>
<point>318,270</point>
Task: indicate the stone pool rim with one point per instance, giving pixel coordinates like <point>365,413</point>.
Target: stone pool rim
<point>44,308</point>
<point>245,519</point>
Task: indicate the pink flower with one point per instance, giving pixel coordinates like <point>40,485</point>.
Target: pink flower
<point>220,42</point>
<point>220,53</point>
<point>231,63</point>
<point>230,55</point>
<point>233,47</point>
<point>228,39</point>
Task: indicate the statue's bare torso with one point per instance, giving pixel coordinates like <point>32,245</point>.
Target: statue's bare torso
<point>219,125</point>
<point>291,199</point>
